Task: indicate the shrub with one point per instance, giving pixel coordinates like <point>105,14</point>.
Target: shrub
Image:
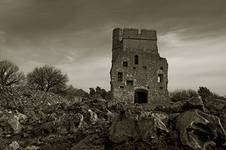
<point>99,92</point>
<point>71,93</point>
<point>180,95</point>
<point>204,92</point>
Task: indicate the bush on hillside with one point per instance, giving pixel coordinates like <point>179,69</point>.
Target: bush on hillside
<point>99,93</point>
<point>181,95</point>
<point>72,93</point>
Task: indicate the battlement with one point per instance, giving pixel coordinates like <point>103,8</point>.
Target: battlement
<point>129,33</point>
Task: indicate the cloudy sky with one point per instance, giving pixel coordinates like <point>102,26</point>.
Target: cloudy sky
<point>75,36</point>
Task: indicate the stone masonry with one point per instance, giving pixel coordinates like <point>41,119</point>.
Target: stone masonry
<point>138,73</point>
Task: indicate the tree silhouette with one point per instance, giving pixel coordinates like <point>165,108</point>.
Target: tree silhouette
<point>9,74</point>
<point>47,78</point>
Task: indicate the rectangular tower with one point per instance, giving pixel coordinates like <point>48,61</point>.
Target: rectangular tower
<point>138,73</point>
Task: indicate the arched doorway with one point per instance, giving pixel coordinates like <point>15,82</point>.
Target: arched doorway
<point>141,96</point>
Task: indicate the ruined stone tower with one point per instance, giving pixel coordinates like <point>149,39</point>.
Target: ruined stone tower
<point>138,73</point>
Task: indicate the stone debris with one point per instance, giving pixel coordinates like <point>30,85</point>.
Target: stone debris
<point>14,146</point>
<point>15,121</point>
<point>93,116</point>
<point>32,148</point>
<point>199,130</point>
<point>98,124</point>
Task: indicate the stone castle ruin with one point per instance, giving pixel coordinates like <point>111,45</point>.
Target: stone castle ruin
<point>138,73</point>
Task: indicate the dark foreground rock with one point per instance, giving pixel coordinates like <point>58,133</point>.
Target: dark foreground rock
<point>199,130</point>
<point>34,120</point>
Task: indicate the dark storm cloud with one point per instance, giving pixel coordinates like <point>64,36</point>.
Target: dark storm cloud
<point>76,35</point>
<point>47,16</point>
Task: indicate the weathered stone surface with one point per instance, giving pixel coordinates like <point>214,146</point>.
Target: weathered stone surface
<point>138,73</point>
<point>181,106</point>
<point>13,146</point>
<point>91,142</point>
<point>123,130</point>
<point>32,148</point>
<point>136,127</point>
<point>15,121</point>
<point>93,116</point>
<point>11,122</point>
<point>215,105</point>
<point>199,130</point>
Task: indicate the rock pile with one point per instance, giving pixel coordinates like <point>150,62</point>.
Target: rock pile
<point>34,120</point>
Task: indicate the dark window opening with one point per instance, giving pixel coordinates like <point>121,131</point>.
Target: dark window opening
<point>125,64</point>
<point>160,78</point>
<point>129,82</point>
<point>136,59</point>
<point>145,67</point>
<point>161,68</point>
<point>121,87</point>
<point>134,67</point>
<point>120,76</point>
<point>161,88</point>
<point>141,96</point>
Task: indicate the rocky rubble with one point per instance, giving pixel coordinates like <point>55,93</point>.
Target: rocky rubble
<point>34,120</point>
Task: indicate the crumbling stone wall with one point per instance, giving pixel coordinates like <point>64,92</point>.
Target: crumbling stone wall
<point>137,65</point>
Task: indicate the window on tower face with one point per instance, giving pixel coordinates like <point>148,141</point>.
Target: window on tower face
<point>129,82</point>
<point>125,63</point>
<point>160,78</point>
<point>121,87</point>
<point>120,76</point>
<point>136,59</point>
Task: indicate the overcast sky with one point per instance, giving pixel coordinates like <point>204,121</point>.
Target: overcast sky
<point>75,36</point>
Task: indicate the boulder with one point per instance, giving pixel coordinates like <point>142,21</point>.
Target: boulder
<point>32,148</point>
<point>10,120</point>
<point>181,106</point>
<point>93,116</point>
<point>91,142</point>
<point>215,105</point>
<point>15,121</point>
<point>4,143</point>
<point>143,126</point>
<point>200,130</point>
<point>13,146</point>
<point>122,130</point>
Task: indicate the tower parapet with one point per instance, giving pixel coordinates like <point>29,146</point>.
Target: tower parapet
<point>135,39</point>
<point>130,33</point>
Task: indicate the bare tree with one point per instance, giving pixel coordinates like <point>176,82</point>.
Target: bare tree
<point>47,78</point>
<point>9,74</point>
